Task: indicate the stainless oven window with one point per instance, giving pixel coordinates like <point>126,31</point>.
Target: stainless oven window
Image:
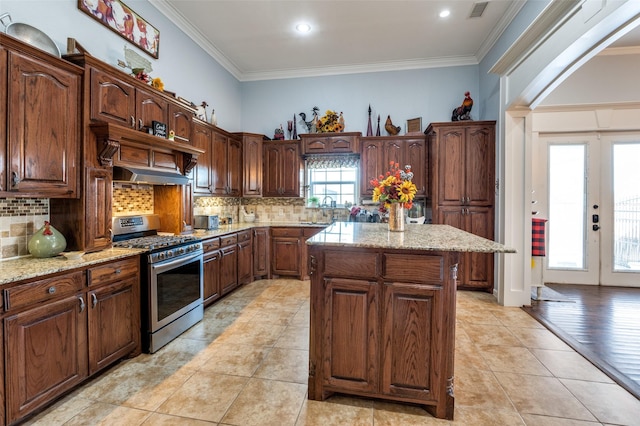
<point>176,288</point>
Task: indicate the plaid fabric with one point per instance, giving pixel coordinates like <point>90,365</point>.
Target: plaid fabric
<point>537,237</point>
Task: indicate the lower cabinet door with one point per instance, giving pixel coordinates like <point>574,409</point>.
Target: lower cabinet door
<point>245,264</point>
<point>228,269</point>
<point>411,334</point>
<point>46,354</point>
<point>114,328</point>
<point>285,256</point>
<point>211,277</point>
<point>351,335</point>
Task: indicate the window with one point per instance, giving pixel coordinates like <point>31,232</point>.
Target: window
<point>333,179</point>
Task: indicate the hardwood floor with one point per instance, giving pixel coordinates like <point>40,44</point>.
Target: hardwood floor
<point>600,323</point>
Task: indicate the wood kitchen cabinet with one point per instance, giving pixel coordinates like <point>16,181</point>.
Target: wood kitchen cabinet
<point>245,257</point>
<point>330,143</point>
<point>211,270</point>
<point>202,134</point>
<point>61,329</point>
<point>114,312</point>
<point>41,116</point>
<point>180,121</point>
<point>219,170</point>
<point>462,190</point>
<point>252,164</point>
<point>45,341</point>
<point>282,167</point>
<point>228,263</point>
<point>377,152</point>
<point>261,253</point>
<point>382,324</point>
<point>174,205</point>
<point>289,250</point>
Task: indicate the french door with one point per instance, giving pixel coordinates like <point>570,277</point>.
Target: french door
<point>592,203</point>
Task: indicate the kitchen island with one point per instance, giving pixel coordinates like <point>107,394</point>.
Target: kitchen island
<point>383,311</point>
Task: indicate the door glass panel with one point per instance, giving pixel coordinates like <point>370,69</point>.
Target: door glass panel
<point>567,206</point>
<point>626,211</point>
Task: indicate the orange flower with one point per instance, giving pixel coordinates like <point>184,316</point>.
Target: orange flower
<point>394,187</point>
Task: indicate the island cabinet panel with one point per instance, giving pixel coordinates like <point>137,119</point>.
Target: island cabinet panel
<point>46,354</point>
<point>411,327</point>
<point>382,324</point>
<point>351,324</point>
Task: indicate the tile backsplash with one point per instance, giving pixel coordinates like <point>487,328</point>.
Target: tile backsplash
<point>20,218</point>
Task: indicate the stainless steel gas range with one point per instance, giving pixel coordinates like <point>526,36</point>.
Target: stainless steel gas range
<point>171,278</point>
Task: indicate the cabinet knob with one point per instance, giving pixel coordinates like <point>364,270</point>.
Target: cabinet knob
<point>15,179</point>
<point>117,271</point>
<point>51,290</point>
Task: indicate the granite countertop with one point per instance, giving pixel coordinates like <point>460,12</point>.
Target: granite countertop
<point>415,237</point>
<point>235,227</point>
<point>32,267</point>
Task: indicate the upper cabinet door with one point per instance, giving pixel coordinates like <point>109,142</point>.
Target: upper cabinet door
<point>371,165</point>
<point>415,155</point>
<point>150,107</point>
<point>112,100</point>
<point>180,123</point>
<point>451,164</point>
<point>480,169</point>
<point>202,170</point>
<point>43,126</point>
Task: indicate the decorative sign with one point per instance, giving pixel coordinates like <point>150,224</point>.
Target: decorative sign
<point>159,129</point>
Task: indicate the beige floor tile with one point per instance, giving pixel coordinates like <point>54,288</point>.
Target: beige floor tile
<point>336,411</point>
<point>472,416</point>
<point>266,403</point>
<point>516,317</point>
<point>252,333</point>
<point>294,337</point>
<point>536,420</point>
<point>608,402</point>
<point>539,338</point>
<point>396,414</point>
<point>61,412</point>
<point>287,365</point>
<point>512,360</point>
<point>469,316</point>
<point>205,396</point>
<point>106,415</point>
<point>480,389</point>
<point>168,420</point>
<point>491,335</point>
<point>233,359</point>
<point>569,365</point>
<point>542,395</point>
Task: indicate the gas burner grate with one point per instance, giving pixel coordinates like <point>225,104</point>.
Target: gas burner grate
<point>154,242</point>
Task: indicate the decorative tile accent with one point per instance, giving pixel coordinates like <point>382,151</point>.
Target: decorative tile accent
<point>132,199</point>
<point>19,219</point>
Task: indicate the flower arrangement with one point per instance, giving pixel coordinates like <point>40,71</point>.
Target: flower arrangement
<point>141,75</point>
<point>330,122</point>
<point>394,187</point>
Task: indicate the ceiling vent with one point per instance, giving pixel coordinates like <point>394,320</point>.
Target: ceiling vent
<point>478,9</point>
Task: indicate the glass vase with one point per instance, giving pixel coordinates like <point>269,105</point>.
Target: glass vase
<point>396,217</point>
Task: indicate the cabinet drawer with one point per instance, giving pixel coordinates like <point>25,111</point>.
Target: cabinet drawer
<point>350,264</point>
<point>113,271</point>
<point>228,240</point>
<point>413,268</point>
<point>286,232</point>
<point>42,290</point>
<point>211,244</point>
<point>244,236</point>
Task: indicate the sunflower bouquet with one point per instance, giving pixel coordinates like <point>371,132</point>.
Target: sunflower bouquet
<point>330,122</point>
<point>394,187</point>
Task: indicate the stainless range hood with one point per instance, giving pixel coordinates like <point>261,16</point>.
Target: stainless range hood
<point>150,176</point>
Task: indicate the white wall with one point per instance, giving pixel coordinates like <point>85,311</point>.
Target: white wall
<point>428,93</point>
<point>182,65</point>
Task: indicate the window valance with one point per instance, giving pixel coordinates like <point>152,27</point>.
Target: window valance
<point>336,161</point>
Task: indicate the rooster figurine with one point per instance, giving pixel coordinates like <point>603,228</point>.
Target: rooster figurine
<point>463,111</point>
<point>390,128</point>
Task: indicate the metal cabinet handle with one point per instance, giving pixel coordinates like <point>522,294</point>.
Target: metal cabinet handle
<point>82,304</point>
<point>140,126</point>
<point>52,290</point>
<point>133,121</point>
<point>94,300</point>
<point>117,271</point>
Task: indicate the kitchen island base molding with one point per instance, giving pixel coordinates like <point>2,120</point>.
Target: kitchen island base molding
<point>383,325</point>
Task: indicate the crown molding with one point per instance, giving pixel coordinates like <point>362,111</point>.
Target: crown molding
<point>497,31</point>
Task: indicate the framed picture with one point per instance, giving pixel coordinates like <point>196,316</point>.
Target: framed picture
<point>122,20</point>
<point>414,125</point>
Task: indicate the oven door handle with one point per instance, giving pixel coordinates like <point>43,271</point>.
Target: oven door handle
<point>167,265</point>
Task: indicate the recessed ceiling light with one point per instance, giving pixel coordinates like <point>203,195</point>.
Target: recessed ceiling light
<point>445,13</point>
<point>303,28</point>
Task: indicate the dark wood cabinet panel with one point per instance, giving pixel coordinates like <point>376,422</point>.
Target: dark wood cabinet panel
<point>462,185</point>
<point>112,99</point>
<point>377,152</point>
<point>282,167</point>
<point>202,139</point>
<point>43,127</point>
<point>252,164</point>
<point>46,354</point>
<point>180,119</point>
<point>261,245</point>
<point>352,332</point>
<point>245,261</point>
<point>98,207</point>
<point>330,143</point>
<point>286,256</point>
<point>228,269</point>
<point>211,271</point>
